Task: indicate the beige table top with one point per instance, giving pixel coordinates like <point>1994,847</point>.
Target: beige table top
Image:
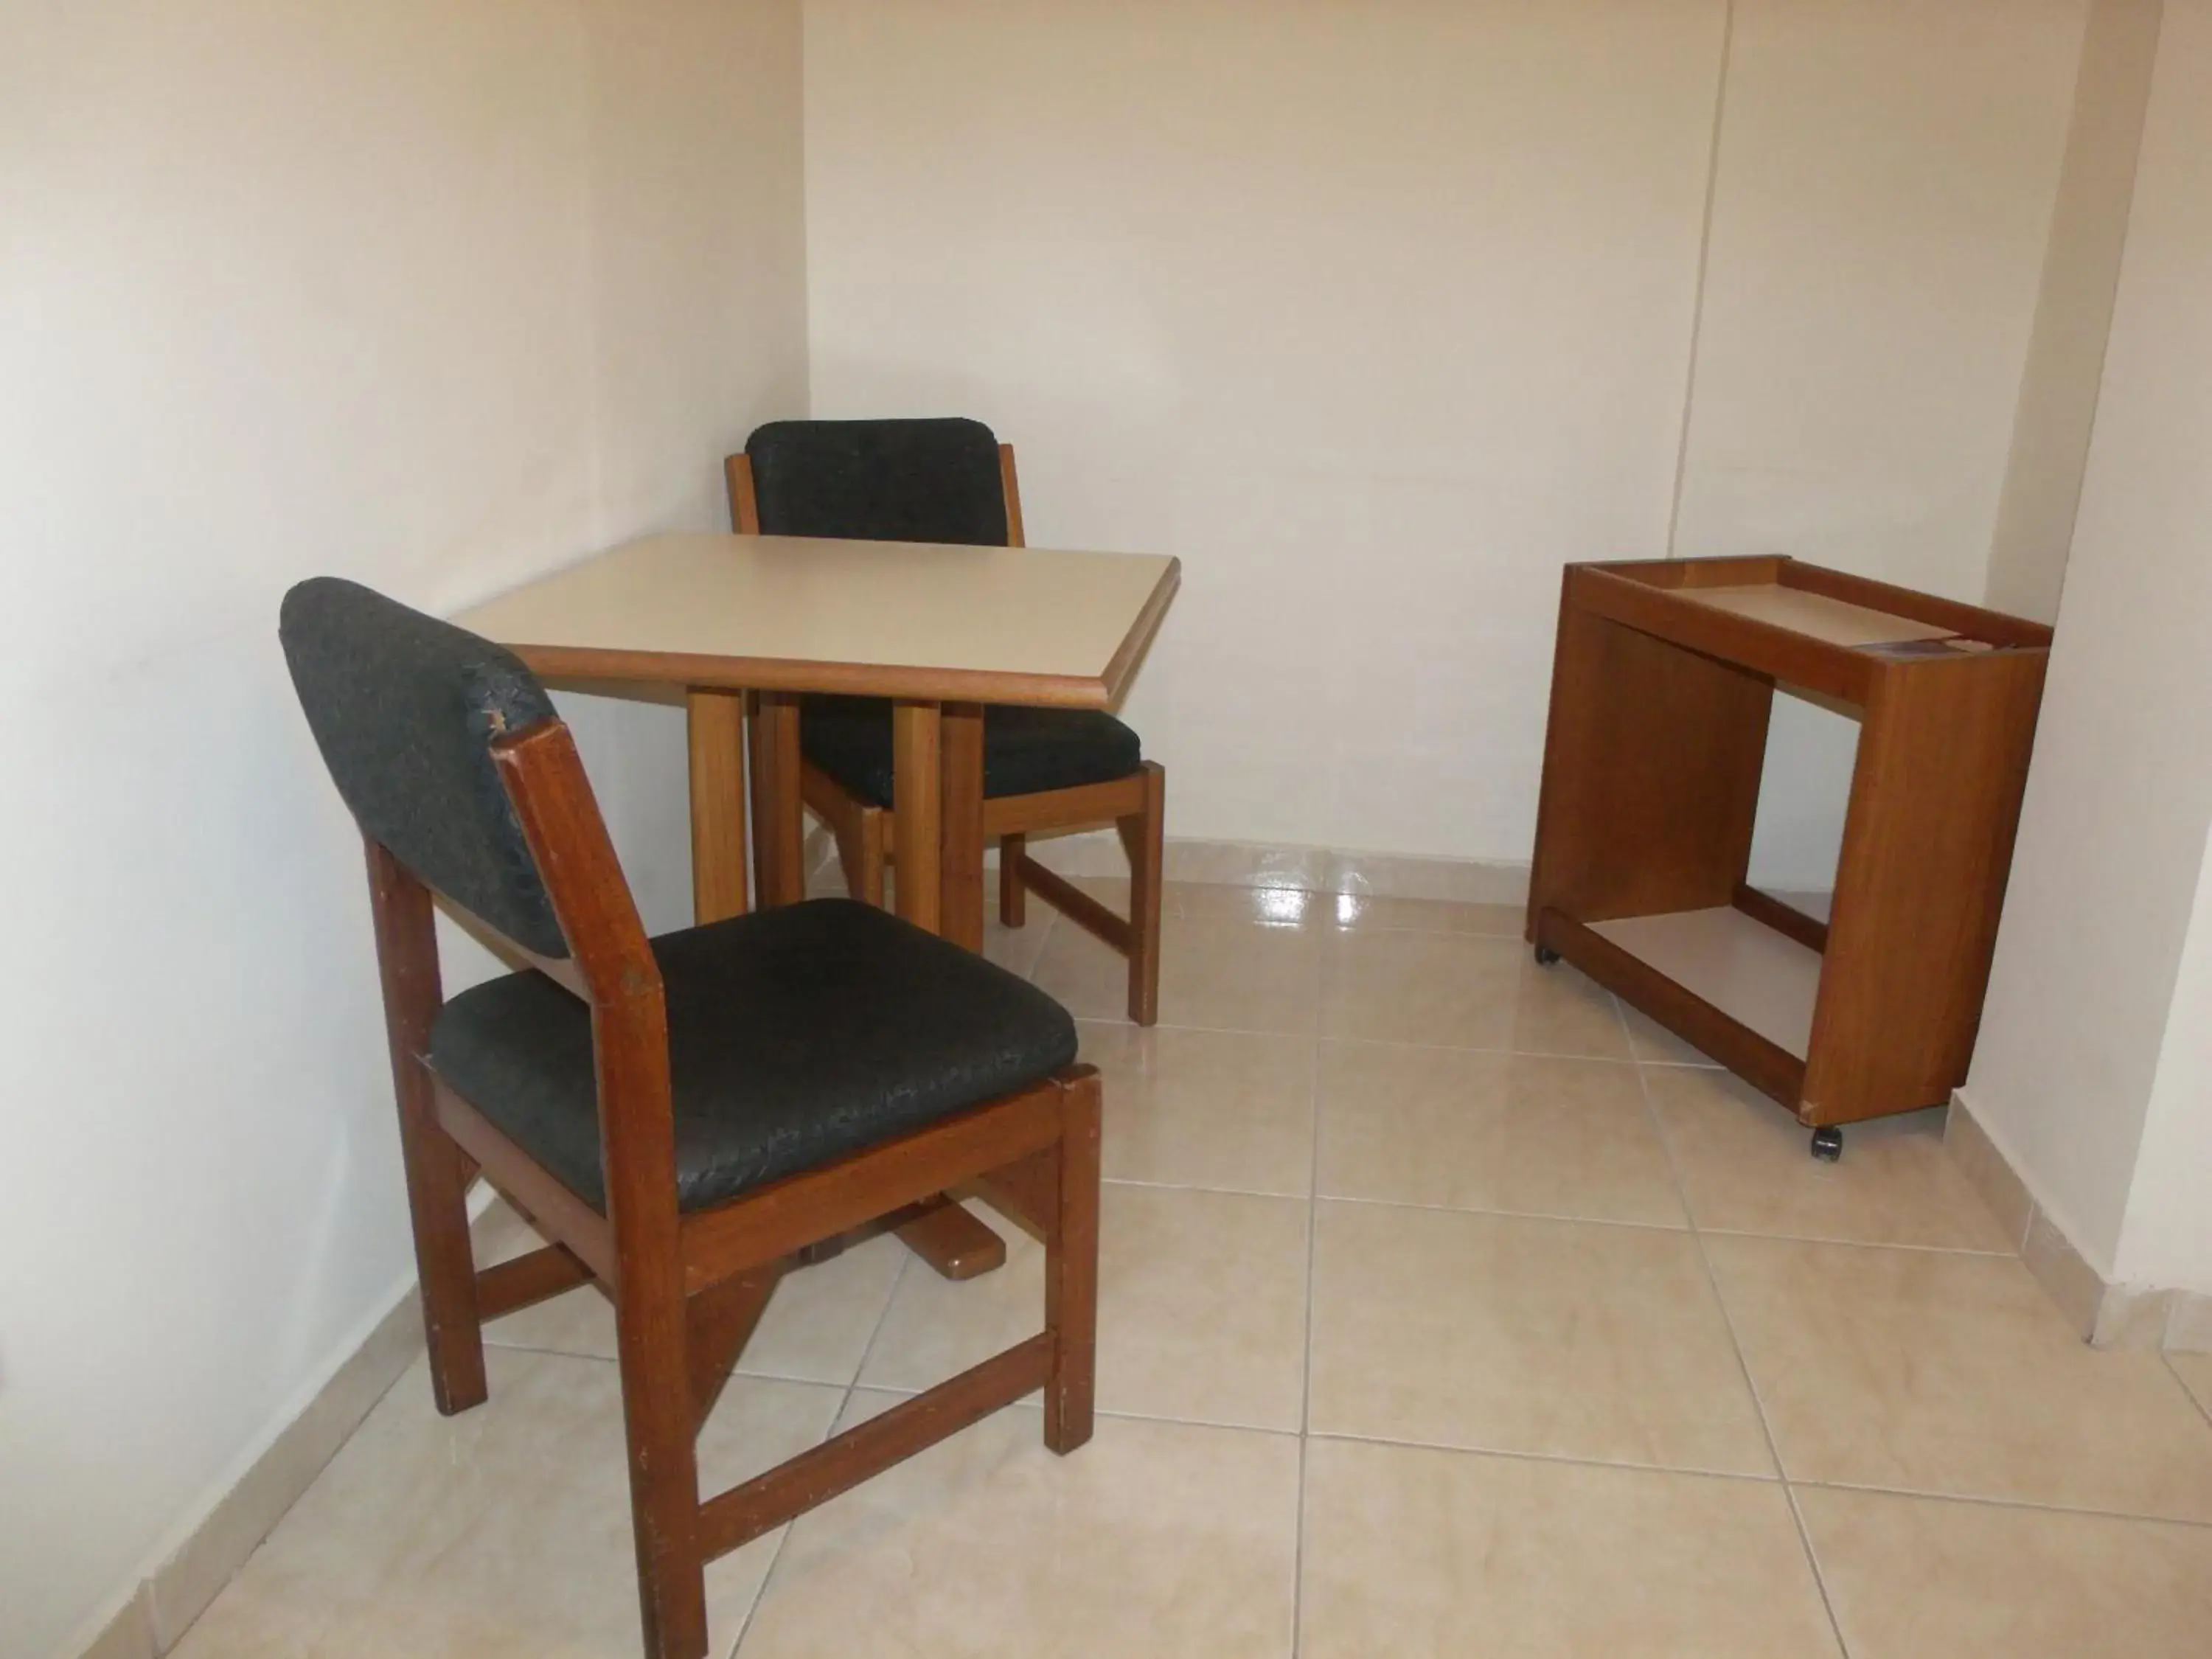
<point>898,619</point>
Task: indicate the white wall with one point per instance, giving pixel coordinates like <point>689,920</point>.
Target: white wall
<point>430,295</point>
<point>1378,313</point>
<point>2082,1000</point>
<point>2073,311</point>
<point>1374,313</point>
<point>2167,1238</point>
<point>1882,198</point>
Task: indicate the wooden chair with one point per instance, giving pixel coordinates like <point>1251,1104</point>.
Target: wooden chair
<point>1043,769</point>
<point>677,1115</point>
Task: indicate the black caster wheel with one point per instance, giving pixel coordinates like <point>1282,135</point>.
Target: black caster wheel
<point>1546,956</point>
<point>1828,1144</point>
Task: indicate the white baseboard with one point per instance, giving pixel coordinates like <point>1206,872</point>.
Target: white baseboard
<point>2107,1315</point>
<point>127,1634</point>
<point>1315,869</point>
<point>1258,864</point>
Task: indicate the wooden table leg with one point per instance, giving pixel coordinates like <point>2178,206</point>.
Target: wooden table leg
<point>946,1236</point>
<point>917,799</point>
<point>962,809</point>
<point>716,724</point>
<point>779,813</point>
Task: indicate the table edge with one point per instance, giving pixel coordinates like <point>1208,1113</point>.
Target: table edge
<point>570,662</point>
<point>1123,663</point>
<point>937,684</point>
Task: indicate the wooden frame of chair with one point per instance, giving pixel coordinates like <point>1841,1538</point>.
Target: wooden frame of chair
<point>866,833</point>
<point>688,1289</point>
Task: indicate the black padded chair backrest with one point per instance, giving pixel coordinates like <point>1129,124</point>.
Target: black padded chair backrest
<point>880,481</point>
<point>405,708</point>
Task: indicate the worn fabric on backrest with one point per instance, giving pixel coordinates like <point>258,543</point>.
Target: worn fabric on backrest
<point>883,481</point>
<point>405,708</point>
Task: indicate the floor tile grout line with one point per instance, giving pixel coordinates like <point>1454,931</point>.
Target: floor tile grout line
<point>1912,1493</point>
<point>738,1372</point>
<point>875,1334</point>
<point>1503,1215</point>
<point>1743,1361</point>
<point>1812,1558</point>
<point>1214,1188</point>
<point>1522,1454</point>
<point>1592,1220</point>
<point>1305,1391</point>
<point>1860,1243</point>
<point>867,1349</point>
<point>1508,1052</point>
<point>1496,1212</point>
<point>2203,1408</point>
<point>1316,1034</point>
<point>1044,938</point>
<point>607,1359</point>
<point>1982,1500</point>
<point>1121,1415</point>
<point>1228,1189</point>
<point>1620,1019</point>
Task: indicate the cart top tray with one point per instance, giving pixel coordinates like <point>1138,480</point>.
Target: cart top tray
<point>1839,622</point>
<point>1800,624</point>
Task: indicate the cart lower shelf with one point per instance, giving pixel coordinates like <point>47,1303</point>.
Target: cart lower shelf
<point>1760,978</point>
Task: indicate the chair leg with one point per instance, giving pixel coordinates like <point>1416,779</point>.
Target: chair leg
<point>438,1171</point>
<point>438,1175</point>
<point>1143,838</point>
<point>659,1409</point>
<point>863,876</point>
<point>1071,1293</point>
<point>1013,907</point>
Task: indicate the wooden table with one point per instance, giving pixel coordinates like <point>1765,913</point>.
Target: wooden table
<point>746,624</point>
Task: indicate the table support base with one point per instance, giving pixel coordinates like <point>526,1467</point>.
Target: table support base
<point>953,1242</point>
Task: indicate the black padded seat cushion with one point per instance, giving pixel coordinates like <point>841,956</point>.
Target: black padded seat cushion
<point>1025,750</point>
<point>796,1037</point>
<point>880,481</point>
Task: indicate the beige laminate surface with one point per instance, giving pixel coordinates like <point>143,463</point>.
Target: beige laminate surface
<point>994,625</point>
<point>1835,620</point>
<point>1752,974</point>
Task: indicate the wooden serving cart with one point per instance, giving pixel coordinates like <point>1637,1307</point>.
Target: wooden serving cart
<point>1661,691</point>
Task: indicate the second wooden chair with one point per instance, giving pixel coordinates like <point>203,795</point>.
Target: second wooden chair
<point>1044,769</point>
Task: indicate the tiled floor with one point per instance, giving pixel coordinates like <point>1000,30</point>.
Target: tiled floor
<point>1444,1311</point>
